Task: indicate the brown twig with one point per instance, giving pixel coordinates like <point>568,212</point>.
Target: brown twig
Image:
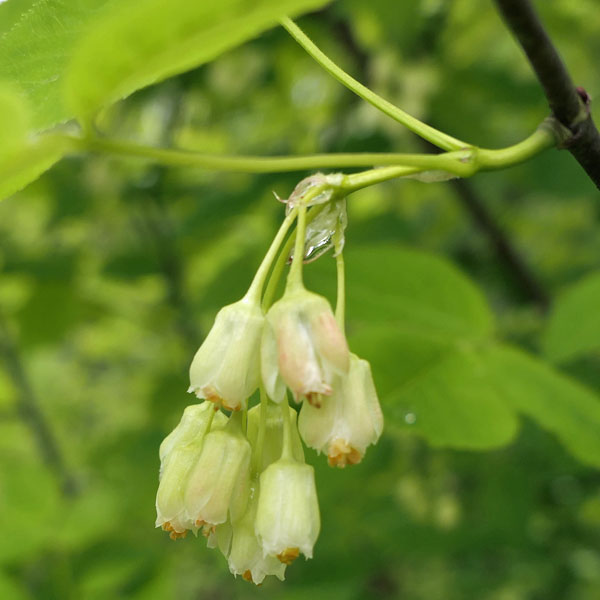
<point>569,104</point>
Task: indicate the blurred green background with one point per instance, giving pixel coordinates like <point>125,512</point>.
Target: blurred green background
<point>112,271</point>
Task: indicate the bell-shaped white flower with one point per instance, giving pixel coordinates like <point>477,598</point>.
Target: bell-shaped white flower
<point>246,556</point>
<point>225,370</point>
<point>302,347</point>
<point>348,421</point>
<point>287,518</point>
<point>178,453</point>
<point>218,484</point>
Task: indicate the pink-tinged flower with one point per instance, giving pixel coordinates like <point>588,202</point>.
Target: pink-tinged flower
<point>225,370</point>
<point>348,421</point>
<point>302,347</point>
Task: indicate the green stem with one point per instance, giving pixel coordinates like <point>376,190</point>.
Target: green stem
<point>546,136</point>
<point>287,452</point>
<point>340,306</point>
<point>463,163</point>
<point>358,181</point>
<point>262,429</point>
<point>294,280</point>
<point>282,261</point>
<point>235,424</point>
<point>440,139</point>
<point>254,164</point>
<point>256,287</point>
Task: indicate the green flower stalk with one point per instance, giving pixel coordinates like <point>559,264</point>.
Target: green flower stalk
<point>225,369</point>
<point>348,421</point>
<point>272,446</point>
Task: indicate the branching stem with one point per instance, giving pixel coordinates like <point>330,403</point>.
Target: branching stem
<point>439,138</point>
<point>255,291</point>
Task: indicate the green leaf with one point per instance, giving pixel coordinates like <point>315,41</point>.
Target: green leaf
<point>36,50</point>
<point>438,390</point>
<point>558,403</point>
<point>11,11</point>
<point>141,42</point>
<point>574,326</point>
<point>421,322</point>
<point>22,160</point>
<point>438,371</point>
<point>413,290</point>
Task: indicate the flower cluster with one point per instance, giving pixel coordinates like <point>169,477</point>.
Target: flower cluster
<point>241,480</point>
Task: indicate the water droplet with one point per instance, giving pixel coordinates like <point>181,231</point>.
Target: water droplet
<point>410,418</point>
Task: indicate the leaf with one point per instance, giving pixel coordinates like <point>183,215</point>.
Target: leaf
<point>438,371</point>
<point>22,160</point>
<point>439,390</point>
<point>420,322</point>
<point>574,326</point>
<point>11,11</point>
<point>36,50</point>
<point>414,290</point>
<point>558,403</point>
<point>141,42</point>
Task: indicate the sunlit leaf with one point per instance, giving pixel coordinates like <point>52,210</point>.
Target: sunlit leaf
<point>140,42</point>
<point>22,159</point>
<point>35,51</point>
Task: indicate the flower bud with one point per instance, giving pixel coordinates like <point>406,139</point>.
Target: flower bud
<point>287,518</point>
<point>219,481</point>
<point>273,437</point>
<point>246,555</point>
<point>178,453</point>
<point>302,347</point>
<point>225,370</point>
<point>348,421</point>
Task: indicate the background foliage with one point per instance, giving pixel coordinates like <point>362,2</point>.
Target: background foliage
<point>485,484</point>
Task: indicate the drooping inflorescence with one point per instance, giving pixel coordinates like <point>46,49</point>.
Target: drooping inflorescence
<point>241,480</point>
